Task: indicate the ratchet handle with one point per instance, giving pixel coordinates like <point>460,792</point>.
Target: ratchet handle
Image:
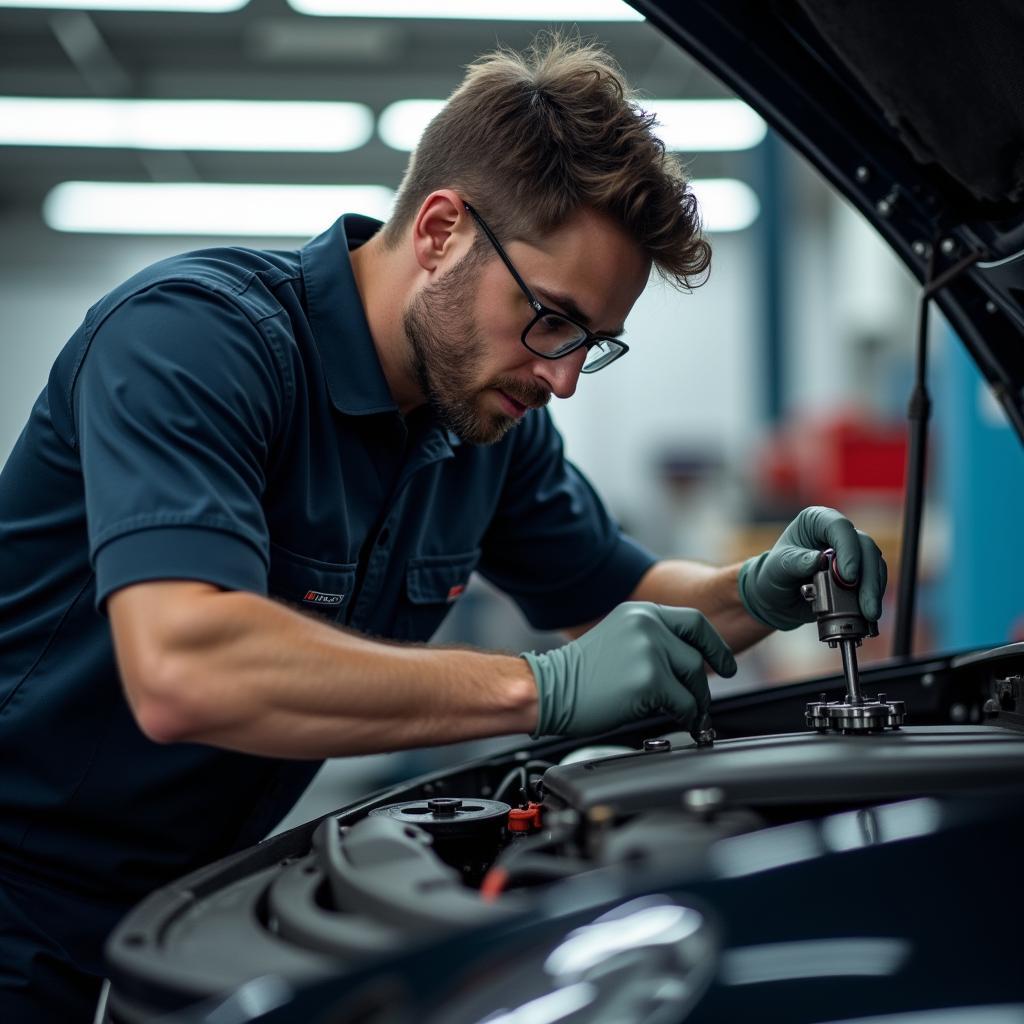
<point>835,604</point>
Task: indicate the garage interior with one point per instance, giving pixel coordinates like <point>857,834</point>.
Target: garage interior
<point>728,417</point>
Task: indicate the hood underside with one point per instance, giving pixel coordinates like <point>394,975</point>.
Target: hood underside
<point>948,78</point>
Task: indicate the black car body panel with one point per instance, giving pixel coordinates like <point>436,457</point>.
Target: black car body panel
<point>874,851</point>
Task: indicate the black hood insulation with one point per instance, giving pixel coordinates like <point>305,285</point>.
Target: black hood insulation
<point>932,67</point>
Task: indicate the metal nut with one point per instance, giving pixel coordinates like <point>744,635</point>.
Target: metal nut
<point>656,746</point>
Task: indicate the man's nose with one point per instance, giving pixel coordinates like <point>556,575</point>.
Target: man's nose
<point>560,376</point>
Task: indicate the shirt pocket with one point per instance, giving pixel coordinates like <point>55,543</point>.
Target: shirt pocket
<point>433,583</point>
<point>311,585</point>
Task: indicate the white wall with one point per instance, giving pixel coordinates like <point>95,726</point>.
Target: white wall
<point>47,282</point>
<point>687,386</point>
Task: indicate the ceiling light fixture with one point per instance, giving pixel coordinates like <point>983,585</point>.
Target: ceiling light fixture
<point>725,204</point>
<point>686,126</point>
<point>289,211</point>
<point>690,126</point>
<point>225,125</point>
<point>155,6</point>
<point>401,124</point>
<point>220,210</point>
<point>520,10</point>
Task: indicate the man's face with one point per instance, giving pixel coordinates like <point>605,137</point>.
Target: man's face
<point>464,328</point>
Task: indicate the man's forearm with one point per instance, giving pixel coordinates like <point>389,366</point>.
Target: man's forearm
<point>245,673</point>
<point>713,591</point>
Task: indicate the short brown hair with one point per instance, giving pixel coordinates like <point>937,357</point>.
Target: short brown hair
<point>532,137</point>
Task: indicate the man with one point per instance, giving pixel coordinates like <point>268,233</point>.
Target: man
<point>239,452</point>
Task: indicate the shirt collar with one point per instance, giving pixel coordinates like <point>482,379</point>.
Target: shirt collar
<point>355,380</point>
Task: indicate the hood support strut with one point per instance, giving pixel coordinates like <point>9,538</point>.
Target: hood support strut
<point>918,413</point>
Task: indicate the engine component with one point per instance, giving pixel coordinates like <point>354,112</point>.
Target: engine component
<point>791,770</point>
<point>840,624</point>
<point>467,833</point>
<point>673,839</point>
<point>525,819</point>
<point>845,717</point>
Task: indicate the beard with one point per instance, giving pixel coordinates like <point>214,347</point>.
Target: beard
<point>445,350</point>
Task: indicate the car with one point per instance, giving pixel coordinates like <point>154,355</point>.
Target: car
<point>809,865</point>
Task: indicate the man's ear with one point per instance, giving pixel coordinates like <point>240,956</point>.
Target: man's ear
<point>441,231</point>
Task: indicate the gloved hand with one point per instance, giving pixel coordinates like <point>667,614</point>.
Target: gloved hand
<point>770,582</point>
<point>640,660</point>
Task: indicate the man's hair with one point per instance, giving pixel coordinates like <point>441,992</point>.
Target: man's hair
<point>530,138</point>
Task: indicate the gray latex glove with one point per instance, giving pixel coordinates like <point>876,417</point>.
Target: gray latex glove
<point>643,659</point>
<point>770,582</point>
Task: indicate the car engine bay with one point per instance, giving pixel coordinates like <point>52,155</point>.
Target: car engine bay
<point>896,824</point>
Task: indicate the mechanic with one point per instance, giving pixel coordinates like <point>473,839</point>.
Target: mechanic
<point>256,481</point>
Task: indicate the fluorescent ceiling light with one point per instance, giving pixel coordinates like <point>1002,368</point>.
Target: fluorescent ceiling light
<point>686,126</point>
<point>291,211</point>
<point>518,10</point>
<point>185,124</point>
<point>689,126</point>
<point>401,124</point>
<point>725,204</point>
<point>196,6</point>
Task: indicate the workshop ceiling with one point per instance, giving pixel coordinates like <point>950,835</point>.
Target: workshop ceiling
<point>267,51</point>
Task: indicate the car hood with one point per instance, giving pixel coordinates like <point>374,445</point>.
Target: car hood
<point>916,114</point>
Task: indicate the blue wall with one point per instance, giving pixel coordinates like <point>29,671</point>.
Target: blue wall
<point>979,480</point>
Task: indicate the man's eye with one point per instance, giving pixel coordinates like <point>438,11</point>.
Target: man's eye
<point>557,329</point>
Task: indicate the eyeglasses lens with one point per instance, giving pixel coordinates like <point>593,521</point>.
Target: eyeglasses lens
<point>553,336</point>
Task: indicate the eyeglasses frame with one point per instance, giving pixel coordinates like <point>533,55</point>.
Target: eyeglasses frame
<point>589,339</point>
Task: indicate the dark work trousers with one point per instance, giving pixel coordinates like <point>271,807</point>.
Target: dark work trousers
<point>51,967</point>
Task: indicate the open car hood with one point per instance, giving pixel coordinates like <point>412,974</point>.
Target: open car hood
<point>916,114</point>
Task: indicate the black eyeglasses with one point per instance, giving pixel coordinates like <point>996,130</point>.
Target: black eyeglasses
<point>550,334</point>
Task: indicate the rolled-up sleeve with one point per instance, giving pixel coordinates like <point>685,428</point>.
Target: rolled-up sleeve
<point>552,545</point>
<point>176,406</point>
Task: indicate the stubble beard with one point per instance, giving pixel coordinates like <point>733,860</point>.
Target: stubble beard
<point>445,348</point>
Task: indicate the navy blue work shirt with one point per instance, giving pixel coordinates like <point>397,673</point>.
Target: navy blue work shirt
<point>223,416</point>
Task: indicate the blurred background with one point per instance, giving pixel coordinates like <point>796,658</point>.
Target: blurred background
<point>131,131</point>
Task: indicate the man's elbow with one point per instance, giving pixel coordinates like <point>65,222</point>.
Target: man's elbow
<point>157,628</point>
<point>162,707</point>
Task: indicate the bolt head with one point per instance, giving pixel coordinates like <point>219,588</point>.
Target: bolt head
<point>947,246</point>
<point>863,174</point>
<point>656,746</point>
<point>444,805</point>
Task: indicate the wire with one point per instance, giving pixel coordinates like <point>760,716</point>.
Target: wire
<point>522,771</point>
<point>506,782</point>
<point>532,865</point>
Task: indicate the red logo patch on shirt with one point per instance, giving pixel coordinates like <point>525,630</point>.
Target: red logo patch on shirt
<point>319,597</point>
<point>456,591</point>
